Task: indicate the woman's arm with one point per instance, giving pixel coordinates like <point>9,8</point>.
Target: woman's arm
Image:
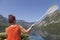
<point>24,30</point>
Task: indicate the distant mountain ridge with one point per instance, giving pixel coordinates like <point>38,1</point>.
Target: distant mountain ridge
<point>4,21</point>
<point>24,23</point>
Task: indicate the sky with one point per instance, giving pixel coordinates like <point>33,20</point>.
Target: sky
<point>27,10</point>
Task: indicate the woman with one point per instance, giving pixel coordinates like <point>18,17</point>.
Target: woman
<point>13,31</point>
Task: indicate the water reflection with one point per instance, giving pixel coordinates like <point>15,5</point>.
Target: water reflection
<point>35,38</point>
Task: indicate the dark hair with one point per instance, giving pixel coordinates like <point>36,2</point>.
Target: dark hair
<point>11,19</point>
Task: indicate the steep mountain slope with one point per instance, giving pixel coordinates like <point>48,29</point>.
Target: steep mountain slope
<point>49,26</point>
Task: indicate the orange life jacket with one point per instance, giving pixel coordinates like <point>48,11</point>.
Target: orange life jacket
<point>13,32</point>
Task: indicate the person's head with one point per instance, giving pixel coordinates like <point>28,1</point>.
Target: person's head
<point>11,19</point>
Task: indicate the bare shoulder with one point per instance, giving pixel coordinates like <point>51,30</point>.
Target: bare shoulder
<point>18,25</point>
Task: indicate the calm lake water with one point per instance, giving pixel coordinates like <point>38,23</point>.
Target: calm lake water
<point>35,38</point>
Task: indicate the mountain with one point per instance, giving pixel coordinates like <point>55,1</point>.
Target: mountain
<point>4,23</point>
<point>49,26</point>
<point>3,19</point>
<point>24,23</point>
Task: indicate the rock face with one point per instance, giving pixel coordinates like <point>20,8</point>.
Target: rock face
<point>49,27</point>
